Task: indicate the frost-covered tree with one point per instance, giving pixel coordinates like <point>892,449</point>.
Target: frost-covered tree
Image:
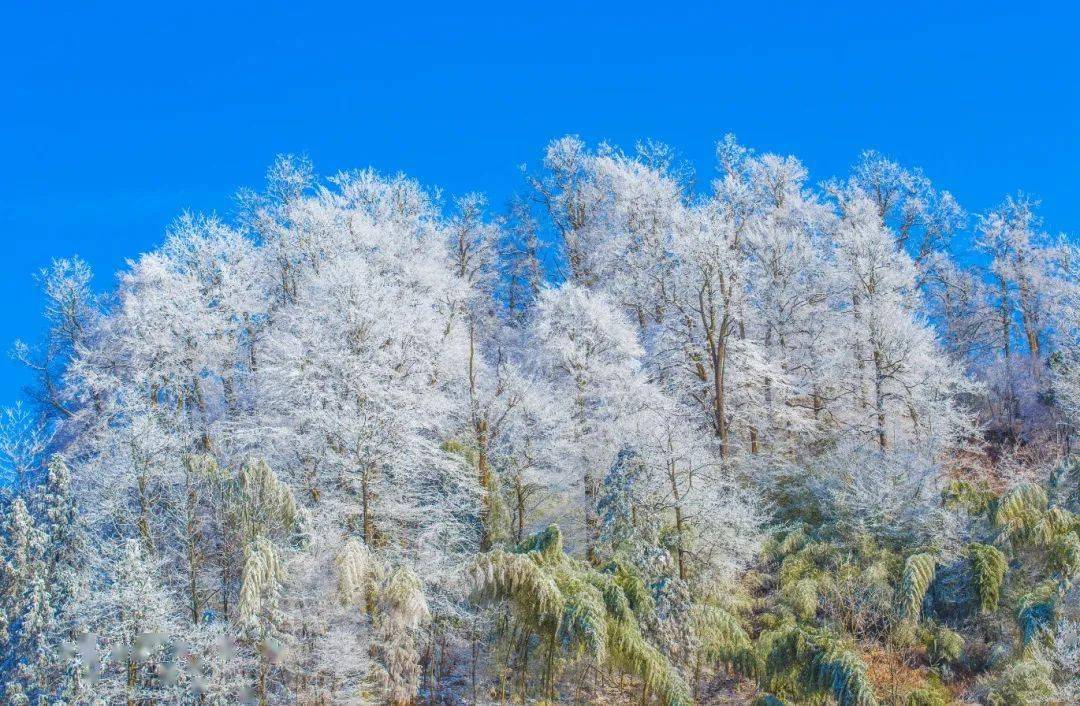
<point>790,443</point>
<point>23,441</point>
<point>899,385</point>
<point>592,354</point>
<point>25,611</point>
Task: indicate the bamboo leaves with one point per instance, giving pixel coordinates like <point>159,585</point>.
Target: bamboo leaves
<point>566,601</point>
<point>919,570</point>
<point>988,573</point>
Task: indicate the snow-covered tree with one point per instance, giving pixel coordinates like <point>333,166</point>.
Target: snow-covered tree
<point>313,454</point>
<point>25,611</point>
<point>592,354</point>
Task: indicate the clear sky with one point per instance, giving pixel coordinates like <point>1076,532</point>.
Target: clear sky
<point>117,117</point>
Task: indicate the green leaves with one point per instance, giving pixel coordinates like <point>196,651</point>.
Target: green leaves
<point>1018,513</point>
<point>1064,556</point>
<point>822,664</point>
<point>358,570</point>
<point>548,544</point>
<point>585,618</point>
<point>265,503</point>
<point>1037,610</point>
<point>976,499</point>
<point>262,577</point>
<point>942,644</point>
<point>792,542</point>
<point>988,573</point>
<point>919,571</point>
<point>724,641</point>
<point>1025,681</point>
<point>587,611</point>
<point>801,598</point>
<point>839,671</point>
<point>517,578</point>
<point>629,651</point>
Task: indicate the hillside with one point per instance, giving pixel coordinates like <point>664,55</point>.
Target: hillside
<point>642,436</point>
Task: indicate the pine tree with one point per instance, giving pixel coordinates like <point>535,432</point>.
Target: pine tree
<point>25,610</point>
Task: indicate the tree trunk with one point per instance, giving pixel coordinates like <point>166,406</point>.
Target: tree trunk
<point>680,547</point>
<point>519,498</point>
<point>879,399</point>
<point>1003,312</point>
<point>483,471</point>
<point>193,557</point>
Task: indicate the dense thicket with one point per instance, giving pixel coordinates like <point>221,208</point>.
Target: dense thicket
<point>635,439</point>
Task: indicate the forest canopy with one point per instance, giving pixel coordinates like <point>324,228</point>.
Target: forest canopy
<point>639,435</point>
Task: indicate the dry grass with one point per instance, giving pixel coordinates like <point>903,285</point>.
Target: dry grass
<point>892,675</point>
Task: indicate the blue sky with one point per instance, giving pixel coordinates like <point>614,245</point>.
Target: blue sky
<point>116,118</point>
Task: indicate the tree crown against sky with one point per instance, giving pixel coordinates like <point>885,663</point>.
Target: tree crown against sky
<point>119,118</point>
<point>365,443</point>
